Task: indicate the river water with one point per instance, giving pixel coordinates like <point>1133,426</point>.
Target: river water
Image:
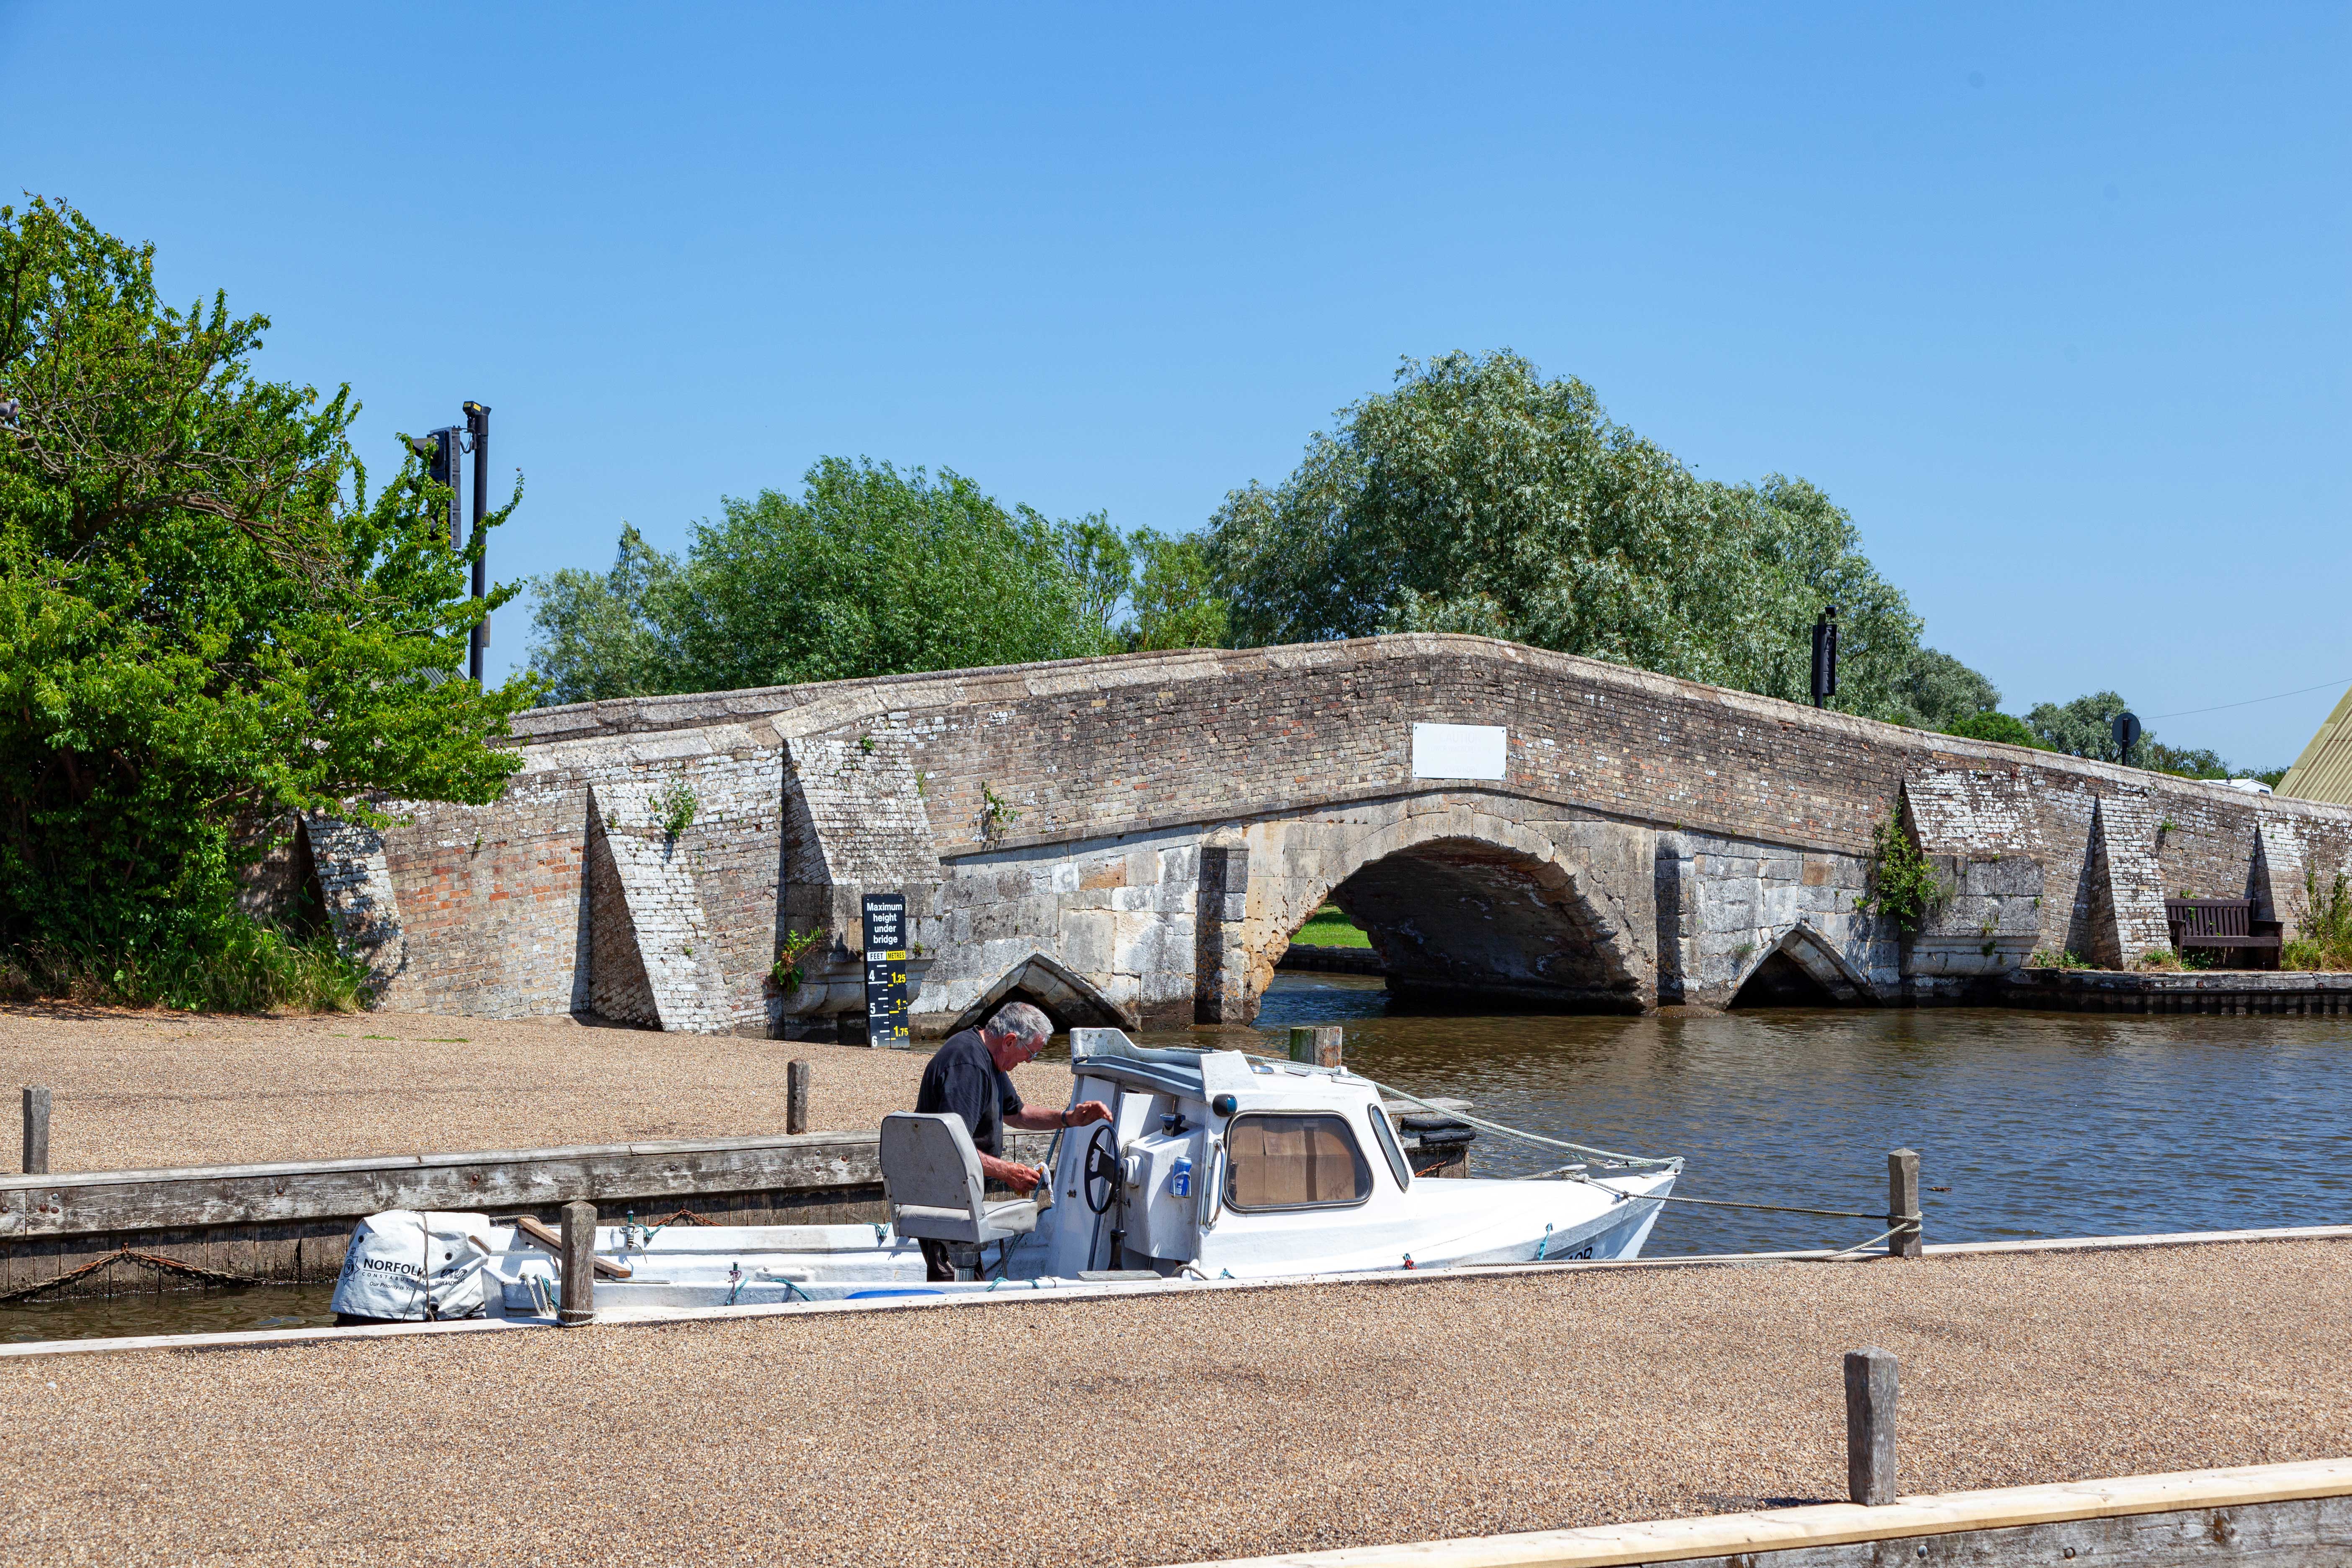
<point>2039,1124</point>
<point>2027,1124</point>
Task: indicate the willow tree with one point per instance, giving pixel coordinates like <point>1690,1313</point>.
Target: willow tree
<point>1479,496</point>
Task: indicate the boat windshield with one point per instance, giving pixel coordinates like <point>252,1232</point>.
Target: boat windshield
<point>1287,1161</point>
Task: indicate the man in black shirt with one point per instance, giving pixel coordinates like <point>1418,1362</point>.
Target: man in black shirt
<point>969,1077</point>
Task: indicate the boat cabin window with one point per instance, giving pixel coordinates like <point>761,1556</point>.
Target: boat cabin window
<point>1294,1161</point>
<point>1385,1136</point>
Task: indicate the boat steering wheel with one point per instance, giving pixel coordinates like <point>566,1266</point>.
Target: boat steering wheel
<point>1102,1165</point>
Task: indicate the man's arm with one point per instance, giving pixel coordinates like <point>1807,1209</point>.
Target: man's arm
<point>1021,1178</point>
<point>1050,1121</point>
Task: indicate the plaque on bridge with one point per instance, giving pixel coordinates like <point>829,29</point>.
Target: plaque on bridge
<point>886,969</point>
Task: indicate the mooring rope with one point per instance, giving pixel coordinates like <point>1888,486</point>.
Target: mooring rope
<point>144,1260</point>
<point>1569,1172</point>
<point>1858,1245</point>
<point>1495,1127</point>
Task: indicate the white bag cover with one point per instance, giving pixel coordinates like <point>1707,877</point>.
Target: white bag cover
<point>384,1270</point>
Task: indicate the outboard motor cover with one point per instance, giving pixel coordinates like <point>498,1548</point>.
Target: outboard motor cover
<point>407,1267</point>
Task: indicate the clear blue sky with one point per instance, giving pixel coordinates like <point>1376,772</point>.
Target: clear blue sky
<point>2052,299</point>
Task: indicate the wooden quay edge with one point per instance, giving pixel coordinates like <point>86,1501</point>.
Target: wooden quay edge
<point>642,1317</point>
<point>1841,1525</point>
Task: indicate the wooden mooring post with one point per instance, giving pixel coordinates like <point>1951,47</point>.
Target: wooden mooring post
<point>1869,1380</point>
<point>796,1096</point>
<point>1903,1215</point>
<point>1320,1047</point>
<point>37,1133</point>
<point>578,1305</point>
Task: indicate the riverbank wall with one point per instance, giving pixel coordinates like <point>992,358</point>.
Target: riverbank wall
<point>2229,993</point>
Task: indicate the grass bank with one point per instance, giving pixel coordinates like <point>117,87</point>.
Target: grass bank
<point>1330,927</point>
<point>247,967</point>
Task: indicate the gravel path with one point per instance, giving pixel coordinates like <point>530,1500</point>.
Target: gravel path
<point>142,1089</point>
<point>1165,1430</point>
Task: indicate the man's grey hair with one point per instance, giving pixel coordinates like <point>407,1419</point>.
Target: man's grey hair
<point>1022,1021</point>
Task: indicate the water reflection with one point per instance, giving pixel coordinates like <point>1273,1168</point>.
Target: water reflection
<point>2040,1125</point>
<point>170,1313</point>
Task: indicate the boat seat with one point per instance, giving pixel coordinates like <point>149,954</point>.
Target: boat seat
<point>930,1174</point>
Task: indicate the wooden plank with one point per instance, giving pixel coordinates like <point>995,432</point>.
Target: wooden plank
<point>2277,1516</point>
<point>111,1202</point>
<point>552,1240</point>
<point>2314,1534</point>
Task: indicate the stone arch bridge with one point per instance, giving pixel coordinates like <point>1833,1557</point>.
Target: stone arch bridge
<point>1135,840</point>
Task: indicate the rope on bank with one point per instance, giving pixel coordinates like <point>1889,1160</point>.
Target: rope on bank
<point>1857,1247</point>
<point>144,1260</point>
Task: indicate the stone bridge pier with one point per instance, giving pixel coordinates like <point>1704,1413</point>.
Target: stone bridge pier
<point>1134,841</point>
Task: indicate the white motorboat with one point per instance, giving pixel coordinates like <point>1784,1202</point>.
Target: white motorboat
<point>1214,1166</point>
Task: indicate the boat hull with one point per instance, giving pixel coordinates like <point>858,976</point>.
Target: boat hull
<point>726,1266</point>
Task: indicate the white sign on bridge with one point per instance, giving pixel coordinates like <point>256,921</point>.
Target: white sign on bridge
<point>1459,750</point>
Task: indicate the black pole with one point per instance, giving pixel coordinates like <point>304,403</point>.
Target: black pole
<point>478,425</point>
<point>1824,657</point>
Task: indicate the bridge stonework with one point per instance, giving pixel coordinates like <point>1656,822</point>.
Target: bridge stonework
<point>1134,839</point>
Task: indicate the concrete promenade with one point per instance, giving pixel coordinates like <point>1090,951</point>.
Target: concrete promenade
<point>1157,1430</point>
<point>146,1091</point>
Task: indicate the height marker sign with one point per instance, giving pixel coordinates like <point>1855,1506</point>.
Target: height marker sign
<point>886,969</point>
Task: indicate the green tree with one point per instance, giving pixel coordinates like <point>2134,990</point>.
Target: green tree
<point>1478,496</point>
<point>207,622</point>
<point>1103,566</point>
<point>868,572</point>
<point>2186,761</point>
<point>1942,691</point>
<point>1174,598</point>
<point>1989,725</point>
<point>596,636</point>
<point>2083,727</point>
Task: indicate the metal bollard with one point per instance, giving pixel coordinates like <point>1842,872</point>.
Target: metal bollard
<point>1869,1380</point>
<point>37,1133</point>
<point>1903,1203</point>
<point>1320,1046</point>
<point>796,1092</point>
<point>579,1266</point>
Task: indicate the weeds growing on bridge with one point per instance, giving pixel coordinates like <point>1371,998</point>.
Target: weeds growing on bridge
<point>785,975</point>
<point>1903,884</point>
<point>2323,935</point>
<point>996,813</point>
<point>674,808</point>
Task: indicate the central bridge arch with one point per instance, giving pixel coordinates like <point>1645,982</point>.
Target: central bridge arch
<point>1459,903</point>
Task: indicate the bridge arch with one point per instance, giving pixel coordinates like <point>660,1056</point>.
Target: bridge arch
<point>1802,967</point>
<point>1054,989</point>
<point>1460,901</point>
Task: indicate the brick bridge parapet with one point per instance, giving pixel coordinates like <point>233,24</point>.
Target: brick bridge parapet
<point>1134,839</point>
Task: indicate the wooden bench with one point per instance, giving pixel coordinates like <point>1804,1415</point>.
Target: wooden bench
<point>2224,924</point>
